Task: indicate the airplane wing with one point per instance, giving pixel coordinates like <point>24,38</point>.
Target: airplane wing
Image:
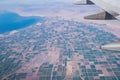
<point>111,10</point>
<point>110,6</point>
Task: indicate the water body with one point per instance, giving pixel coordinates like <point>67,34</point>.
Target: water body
<point>11,21</point>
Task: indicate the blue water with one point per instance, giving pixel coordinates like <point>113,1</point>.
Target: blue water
<point>12,21</point>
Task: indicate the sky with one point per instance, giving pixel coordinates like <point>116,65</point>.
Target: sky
<point>30,1</point>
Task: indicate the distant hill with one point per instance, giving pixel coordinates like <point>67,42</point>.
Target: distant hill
<point>11,21</point>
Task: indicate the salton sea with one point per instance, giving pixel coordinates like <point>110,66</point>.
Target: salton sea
<point>11,21</point>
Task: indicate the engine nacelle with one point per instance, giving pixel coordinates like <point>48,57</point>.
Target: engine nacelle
<point>83,2</point>
<point>113,46</point>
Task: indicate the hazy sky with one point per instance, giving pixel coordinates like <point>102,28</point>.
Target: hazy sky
<point>30,1</point>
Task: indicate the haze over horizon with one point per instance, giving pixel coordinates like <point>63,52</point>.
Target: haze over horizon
<point>32,1</point>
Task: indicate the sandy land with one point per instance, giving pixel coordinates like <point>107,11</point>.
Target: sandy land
<point>69,71</point>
